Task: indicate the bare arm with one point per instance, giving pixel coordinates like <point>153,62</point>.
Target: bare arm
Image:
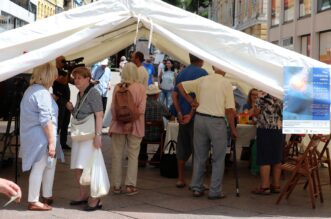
<point>98,129</point>
<point>49,131</point>
<point>159,78</point>
<point>175,101</point>
<point>230,115</point>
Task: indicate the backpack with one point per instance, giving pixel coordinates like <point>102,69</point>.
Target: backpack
<point>125,108</point>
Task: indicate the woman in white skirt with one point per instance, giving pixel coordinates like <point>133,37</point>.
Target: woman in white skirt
<point>88,102</point>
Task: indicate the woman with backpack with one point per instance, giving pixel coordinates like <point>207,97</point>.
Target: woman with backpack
<point>127,128</point>
<point>167,83</point>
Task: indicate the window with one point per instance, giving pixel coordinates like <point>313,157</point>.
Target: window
<point>305,45</point>
<point>275,10</point>
<point>276,42</point>
<point>304,8</point>
<point>288,10</point>
<point>288,43</point>
<point>325,47</point>
<point>323,5</point>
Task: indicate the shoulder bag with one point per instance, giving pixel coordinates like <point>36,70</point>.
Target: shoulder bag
<point>84,129</point>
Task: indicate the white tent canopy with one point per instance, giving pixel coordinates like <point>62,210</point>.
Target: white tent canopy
<point>103,28</point>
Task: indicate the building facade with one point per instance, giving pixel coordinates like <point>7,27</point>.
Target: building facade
<point>48,8</point>
<point>303,26</point>
<point>17,13</point>
<point>249,16</point>
<point>69,4</point>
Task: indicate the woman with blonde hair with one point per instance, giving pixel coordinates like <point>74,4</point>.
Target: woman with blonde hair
<point>88,102</point>
<point>129,134</point>
<point>38,125</point>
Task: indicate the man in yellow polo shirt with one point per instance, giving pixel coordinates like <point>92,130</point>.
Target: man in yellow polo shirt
<point>214,100</point>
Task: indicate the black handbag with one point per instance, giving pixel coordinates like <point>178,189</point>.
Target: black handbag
<point>168,163</point>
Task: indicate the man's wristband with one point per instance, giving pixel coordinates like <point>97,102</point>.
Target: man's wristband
<point>98,133</point>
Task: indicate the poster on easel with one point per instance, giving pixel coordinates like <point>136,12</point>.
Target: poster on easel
<point>306,108</point>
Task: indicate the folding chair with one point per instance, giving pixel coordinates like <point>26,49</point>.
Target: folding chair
<point>325,159</point>
<point>154,124</point>
<point>304,165</point>
<point>291,149</point>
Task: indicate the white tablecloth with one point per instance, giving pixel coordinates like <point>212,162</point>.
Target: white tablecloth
<point>245,134</point>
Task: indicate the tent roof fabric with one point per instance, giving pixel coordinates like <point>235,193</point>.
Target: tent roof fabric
<point>103,28</point>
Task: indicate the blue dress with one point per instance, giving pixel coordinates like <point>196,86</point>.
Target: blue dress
<point>37,108</point>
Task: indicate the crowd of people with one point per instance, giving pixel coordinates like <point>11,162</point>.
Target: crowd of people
<point>189,95</point>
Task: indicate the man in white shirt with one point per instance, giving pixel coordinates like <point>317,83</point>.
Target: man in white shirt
<point>214,100</point>
<point>101,76</point>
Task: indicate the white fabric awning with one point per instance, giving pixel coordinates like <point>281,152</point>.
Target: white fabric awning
<point>103,28</point>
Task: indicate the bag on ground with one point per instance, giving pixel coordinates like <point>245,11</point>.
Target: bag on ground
<point>125,109</point>
<point>168,163</point>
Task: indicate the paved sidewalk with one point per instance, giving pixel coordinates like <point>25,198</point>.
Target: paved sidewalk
<point>159,198</point>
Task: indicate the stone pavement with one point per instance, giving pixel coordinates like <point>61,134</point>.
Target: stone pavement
<point>159,198</point>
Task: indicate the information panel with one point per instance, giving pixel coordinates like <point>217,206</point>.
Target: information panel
<point>306,100</point>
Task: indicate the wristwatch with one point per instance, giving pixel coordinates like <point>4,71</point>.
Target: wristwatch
<point>98,133</point>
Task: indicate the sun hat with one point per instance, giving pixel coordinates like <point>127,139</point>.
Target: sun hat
<point>152,89</point>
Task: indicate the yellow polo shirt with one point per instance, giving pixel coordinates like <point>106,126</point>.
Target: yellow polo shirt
<point>213,92</point>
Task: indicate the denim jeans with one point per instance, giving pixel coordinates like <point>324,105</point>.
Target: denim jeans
<point>209,133</point>
<point>165,98</point>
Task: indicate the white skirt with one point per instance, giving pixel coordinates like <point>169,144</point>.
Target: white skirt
<point>81,153</point>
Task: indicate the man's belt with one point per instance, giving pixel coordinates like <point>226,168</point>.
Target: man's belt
<point>211,116</point>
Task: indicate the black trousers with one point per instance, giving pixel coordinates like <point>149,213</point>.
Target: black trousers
<point>104,103</point>
<point>63,127</point>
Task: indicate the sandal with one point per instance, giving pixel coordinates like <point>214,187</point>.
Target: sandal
<point>261,191</point>
<point>131,190</point>
<point>274,189</point>
<point>117,190</point>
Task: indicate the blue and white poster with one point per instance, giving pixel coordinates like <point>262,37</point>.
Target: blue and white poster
<point>306,100</point>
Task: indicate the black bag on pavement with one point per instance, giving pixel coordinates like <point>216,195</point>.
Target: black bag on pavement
<point>168,163</point>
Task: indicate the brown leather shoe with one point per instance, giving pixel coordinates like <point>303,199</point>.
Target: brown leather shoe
<point>34,207</point>
<point>48,201</point>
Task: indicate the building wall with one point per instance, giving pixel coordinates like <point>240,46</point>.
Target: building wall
<point>244,15</point>
<point>309,32</point>
<point>13,15</point>
<point>48,8</point>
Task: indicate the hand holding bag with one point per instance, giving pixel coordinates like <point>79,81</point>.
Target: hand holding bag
<point>168,163</point>
<point>84,129</point>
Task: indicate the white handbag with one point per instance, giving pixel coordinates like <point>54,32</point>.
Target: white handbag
<point>84,129</point>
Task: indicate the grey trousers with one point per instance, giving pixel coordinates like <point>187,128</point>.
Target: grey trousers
<point>209,133</point>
